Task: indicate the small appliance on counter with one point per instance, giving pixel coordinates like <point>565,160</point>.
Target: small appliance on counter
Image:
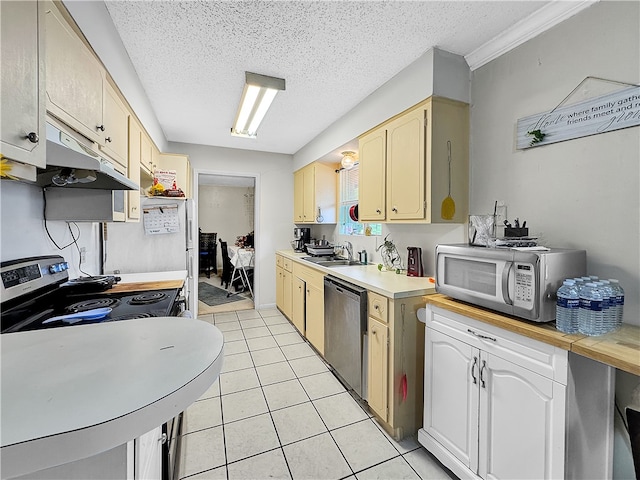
<point>414,262</point>
<point>301,236</point>
<point>515,281</point>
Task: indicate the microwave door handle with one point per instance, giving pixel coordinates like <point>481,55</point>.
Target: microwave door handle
<point>505,283</point>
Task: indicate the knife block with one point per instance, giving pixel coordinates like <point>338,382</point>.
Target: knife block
<point>516,232</point>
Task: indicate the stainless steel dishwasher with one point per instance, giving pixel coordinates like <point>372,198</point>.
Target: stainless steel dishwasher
<point>345,327</point>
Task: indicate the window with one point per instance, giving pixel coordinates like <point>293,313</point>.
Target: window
<point>349,198</point>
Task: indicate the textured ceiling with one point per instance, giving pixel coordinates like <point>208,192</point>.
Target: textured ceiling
<point>191,57</point>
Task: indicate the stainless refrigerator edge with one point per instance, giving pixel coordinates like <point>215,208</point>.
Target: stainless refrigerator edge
<point>127,248</point>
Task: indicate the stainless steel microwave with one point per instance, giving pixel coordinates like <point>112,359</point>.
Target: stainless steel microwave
<point>517,282</point>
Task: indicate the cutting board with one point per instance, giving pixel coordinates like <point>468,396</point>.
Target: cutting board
<point>145,286</point>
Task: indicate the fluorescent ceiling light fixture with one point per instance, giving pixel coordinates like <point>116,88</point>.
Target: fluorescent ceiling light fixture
<point>259,91</point>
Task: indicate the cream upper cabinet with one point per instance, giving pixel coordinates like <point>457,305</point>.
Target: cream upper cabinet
<point>372,186</point>
<point>298,196</point>
<point>116,124</point>
<point>74,78</point>
<point>404,165</point>
<point>133,203</point>
<point>146,155</point>
<point>22,90</point>
<point>179,163</point>
<point>314,194</point>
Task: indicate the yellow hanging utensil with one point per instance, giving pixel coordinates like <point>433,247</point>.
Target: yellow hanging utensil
<point>448,209</point>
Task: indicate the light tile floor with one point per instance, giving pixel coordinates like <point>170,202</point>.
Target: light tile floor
<point>277,411</point>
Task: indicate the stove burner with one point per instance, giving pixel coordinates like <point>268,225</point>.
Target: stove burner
<point>93,303</point>
<point>147,298</point>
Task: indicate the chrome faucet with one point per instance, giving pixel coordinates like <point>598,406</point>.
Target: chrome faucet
<point>349,247</point>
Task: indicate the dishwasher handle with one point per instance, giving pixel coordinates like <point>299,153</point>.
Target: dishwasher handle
<point>337,283</point>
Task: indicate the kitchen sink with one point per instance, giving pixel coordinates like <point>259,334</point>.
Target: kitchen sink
<point>331,261</point>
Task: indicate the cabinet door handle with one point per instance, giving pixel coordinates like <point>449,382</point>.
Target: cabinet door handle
<point>473,369</point>
<point>108,139</point>
<point>483,337</point>
<point>394,209</point>
<point>33,137</point>
<point>376,307</point>
<point>482,369</point>
<point>100,127</point>
<point>378,211</point>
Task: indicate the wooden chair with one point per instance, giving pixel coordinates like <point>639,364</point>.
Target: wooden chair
<point>208,253</point>
<point>227,266</point>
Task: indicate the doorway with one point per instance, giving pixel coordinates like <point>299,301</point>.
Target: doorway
<point>226,206</point>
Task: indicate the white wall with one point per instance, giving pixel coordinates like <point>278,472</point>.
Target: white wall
<point>23,234</point>
<point>273,202</point>
<point>227,211</point>
<point>581,193</point>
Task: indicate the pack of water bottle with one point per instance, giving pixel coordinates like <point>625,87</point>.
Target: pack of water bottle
<point>589,305</point>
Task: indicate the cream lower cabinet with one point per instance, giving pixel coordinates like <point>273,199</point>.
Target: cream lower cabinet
<point>404,165</point>
<point>284,276</point>
<point>395,363</point>
<point>497,405</point>
<point>312,297</point>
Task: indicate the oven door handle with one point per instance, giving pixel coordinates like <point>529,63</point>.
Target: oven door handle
<point>505,282</point>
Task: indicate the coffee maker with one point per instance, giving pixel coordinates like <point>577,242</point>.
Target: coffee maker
<point>301,236</point>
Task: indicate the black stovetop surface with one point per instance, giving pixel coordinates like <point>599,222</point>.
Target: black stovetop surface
<point>31,314</point>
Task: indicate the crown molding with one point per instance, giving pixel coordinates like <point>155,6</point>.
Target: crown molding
<point>538,22</point>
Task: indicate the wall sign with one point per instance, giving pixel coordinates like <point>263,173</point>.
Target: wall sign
<point>605,113</point>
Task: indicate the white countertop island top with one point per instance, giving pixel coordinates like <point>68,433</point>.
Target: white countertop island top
<point>72,392</point>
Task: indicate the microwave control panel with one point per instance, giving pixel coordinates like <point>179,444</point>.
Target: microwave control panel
<point>525,285</point>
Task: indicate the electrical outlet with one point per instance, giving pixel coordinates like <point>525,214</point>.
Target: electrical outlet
<point>83,254</point>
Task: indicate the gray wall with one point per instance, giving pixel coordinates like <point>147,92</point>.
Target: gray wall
<point>273,202</point>
<point>581,193</point>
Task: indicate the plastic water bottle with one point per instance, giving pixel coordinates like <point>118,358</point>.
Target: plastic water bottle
<point>619,291</point>
<point>567,307</point>
<point>608,306</point>
<point>590,315</point>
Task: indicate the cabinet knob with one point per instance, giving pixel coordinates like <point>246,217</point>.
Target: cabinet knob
<point>394,209</point>
<point>100,127</point>
<point>376,307</point>
<point>378,211</point>
<point>33,137</point>
<point>108,139</point>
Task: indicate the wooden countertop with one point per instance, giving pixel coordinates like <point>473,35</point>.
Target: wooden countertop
<point>69,393</point>
<point>620,349</point>
<point>145,286</point>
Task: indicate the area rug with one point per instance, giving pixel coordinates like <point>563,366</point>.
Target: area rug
<point>212,295</point>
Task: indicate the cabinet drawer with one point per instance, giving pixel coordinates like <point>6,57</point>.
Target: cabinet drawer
<point>279,261</point>
<point>539,357</point>
<point>309,275</point>
<point>287,264</point>
<point>378,307</point>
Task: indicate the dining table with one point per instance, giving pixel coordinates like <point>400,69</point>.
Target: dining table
<point>242,258</point>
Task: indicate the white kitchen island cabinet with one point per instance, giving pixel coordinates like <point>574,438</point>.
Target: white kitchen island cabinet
<point>74,392</point>
<point>499,405</point>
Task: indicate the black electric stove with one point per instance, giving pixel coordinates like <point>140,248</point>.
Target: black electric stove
<point>37,289</point>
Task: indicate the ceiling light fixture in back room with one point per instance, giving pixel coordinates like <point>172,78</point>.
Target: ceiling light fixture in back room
<point>259,91</point>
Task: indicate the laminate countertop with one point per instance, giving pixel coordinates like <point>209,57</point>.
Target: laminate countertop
<point>388,284</point>
<point>619,349</point>
<point>70,393</point>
